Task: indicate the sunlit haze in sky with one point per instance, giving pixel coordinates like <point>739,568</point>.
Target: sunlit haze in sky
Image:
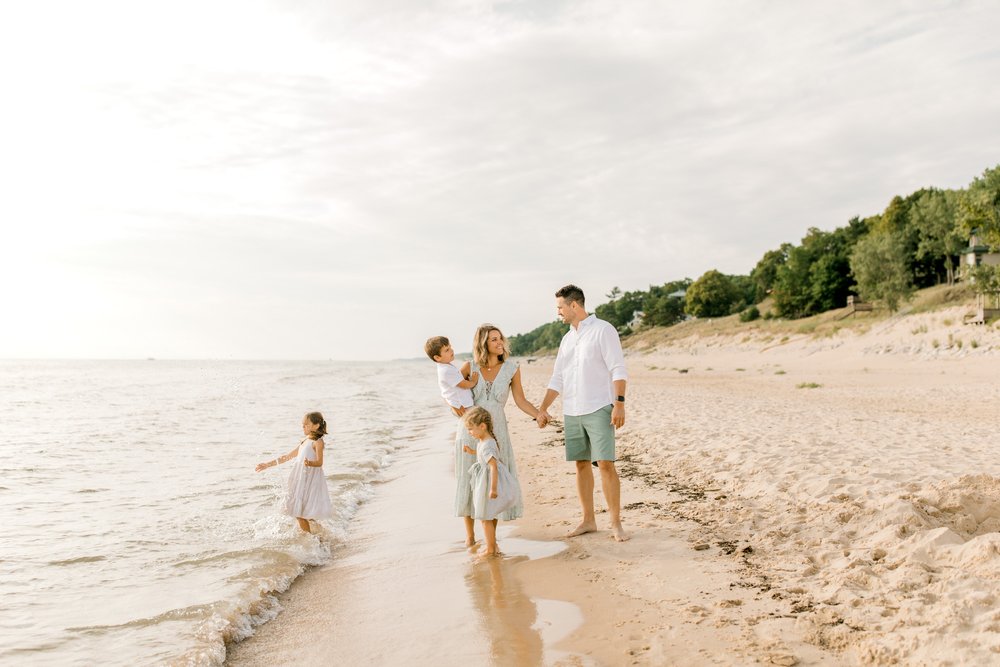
<point>314,180</point>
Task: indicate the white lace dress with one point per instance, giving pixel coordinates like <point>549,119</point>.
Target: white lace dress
<point>308,496</point>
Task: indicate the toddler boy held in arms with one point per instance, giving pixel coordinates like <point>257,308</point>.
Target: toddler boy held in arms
<point>455,389</point>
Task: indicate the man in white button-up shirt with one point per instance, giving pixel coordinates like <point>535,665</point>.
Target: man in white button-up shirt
<point>590,374</point>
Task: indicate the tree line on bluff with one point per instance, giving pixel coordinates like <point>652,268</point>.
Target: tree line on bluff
<point>914,243</point>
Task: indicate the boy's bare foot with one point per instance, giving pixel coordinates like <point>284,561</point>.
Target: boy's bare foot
<point>618,533</point>
<point>583,528</point>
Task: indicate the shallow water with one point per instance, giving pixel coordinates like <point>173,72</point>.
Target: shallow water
<point>133,527</point>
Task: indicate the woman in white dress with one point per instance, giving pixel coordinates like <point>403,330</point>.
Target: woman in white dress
<point>308,495</point>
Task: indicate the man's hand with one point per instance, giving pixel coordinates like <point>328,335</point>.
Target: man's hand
<point>543,418</point>
<point>618,415</point>
<point>459,411</point>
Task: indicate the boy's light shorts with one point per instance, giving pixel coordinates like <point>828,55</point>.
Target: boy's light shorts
<point>590,437</point>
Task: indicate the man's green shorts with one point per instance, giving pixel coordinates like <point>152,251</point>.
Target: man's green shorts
<point>590,437</point>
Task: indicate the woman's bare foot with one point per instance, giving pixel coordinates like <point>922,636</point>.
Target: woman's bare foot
<point>488,554</point>
<point>618,533</point>
<point>583,528</point>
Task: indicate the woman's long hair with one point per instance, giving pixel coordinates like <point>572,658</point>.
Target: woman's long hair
<point>480,353</point>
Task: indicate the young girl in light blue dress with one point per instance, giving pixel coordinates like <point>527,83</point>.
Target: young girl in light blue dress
<point>494,488</point>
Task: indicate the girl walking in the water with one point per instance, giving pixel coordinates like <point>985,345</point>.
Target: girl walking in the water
<point>308,496</point>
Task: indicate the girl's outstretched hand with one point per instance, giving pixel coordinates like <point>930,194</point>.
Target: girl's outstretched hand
<point>261,466</point>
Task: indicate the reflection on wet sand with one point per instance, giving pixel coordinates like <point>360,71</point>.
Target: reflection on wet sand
<point>507,614</point>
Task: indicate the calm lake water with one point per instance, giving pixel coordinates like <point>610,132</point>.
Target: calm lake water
<point>133,528</point>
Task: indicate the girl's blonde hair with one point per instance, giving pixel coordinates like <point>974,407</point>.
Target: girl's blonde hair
<point>480,351</point>
<point>479,415</point>
<point>317,419</point>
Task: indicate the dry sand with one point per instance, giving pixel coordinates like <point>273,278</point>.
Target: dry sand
<point>813,502</point>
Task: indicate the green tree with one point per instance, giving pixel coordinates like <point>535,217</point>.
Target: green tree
<point>898,219</point>
<point>746,291</point>
<point>546,337</point>
<point>621,311</point>
<point>879,264</point>
<point>712,295</point>
<point>766,271</point>
<point>816,275</point>
<point>979,207</point>
<point>661,308</point>
<point>985,278</point>
<point>940,238</point>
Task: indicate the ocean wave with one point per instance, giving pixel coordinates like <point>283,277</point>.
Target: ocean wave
<point>75,561</point>
<point>348,476</point>
<point>213,535</point>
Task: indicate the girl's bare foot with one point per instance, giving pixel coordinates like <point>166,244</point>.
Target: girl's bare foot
<point>618,533</point>
<point>583,528</point>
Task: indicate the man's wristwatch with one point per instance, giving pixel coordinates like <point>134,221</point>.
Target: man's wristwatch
<point>621,399</point>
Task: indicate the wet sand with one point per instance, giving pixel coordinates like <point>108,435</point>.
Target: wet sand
<point>404,590</point>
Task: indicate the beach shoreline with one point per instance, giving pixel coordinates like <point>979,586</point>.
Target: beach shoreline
<point>820,502</point>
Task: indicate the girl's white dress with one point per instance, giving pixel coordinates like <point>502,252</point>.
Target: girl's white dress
<point>308,496</point>
<point>508,489</point>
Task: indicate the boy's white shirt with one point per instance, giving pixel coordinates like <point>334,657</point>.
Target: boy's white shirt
<point>448,378</point>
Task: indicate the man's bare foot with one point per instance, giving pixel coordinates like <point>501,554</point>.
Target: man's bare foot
<point>583,528</point>
<point>618,533</point>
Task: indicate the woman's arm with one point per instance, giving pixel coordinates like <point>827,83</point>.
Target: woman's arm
<point>281,459</point>
<point>493,478</point>
<point>517,390</point>
<point>318,448</point>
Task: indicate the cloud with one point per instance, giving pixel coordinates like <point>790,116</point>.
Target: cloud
<point>415,168</point>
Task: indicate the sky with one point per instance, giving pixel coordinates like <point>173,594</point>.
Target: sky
<point>341,180</point>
